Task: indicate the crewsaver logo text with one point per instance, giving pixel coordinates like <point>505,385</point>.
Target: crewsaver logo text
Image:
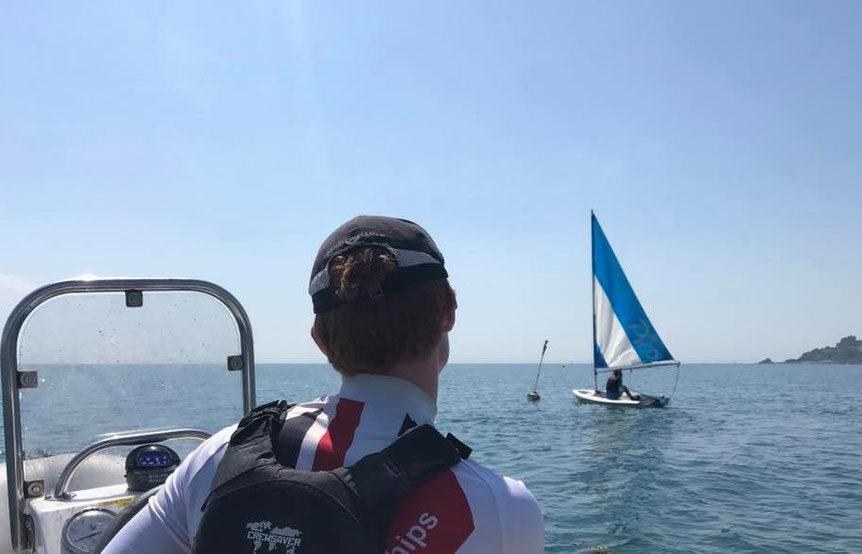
<point>264,532</point>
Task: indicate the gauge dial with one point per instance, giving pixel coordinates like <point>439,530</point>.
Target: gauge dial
<point>81,533</point>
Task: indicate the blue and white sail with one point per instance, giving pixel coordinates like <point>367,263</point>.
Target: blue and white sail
<point>622,335</point>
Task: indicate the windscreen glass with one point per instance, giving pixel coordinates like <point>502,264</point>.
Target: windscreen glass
<point>104,368</point>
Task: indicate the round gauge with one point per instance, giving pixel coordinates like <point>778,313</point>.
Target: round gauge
<point>81,533</point>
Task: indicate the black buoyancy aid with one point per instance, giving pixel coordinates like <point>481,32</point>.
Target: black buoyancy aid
<point>257,505</point>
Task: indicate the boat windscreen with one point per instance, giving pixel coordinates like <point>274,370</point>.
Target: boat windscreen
<point>104,367</point>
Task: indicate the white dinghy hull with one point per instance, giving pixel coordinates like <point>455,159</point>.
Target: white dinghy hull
<point>588,396</point>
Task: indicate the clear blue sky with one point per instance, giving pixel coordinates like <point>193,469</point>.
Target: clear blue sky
<point>720,144</point>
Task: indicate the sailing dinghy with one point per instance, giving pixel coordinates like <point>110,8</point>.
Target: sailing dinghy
<point>623,337</point>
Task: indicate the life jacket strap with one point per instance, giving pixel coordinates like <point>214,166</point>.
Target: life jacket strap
<point>251,445</point>
<point>380,480</point>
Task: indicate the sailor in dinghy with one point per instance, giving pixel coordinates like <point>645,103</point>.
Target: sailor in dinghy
<point>614,388</point>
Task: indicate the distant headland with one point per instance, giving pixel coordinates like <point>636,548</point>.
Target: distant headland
<point>847,351</point>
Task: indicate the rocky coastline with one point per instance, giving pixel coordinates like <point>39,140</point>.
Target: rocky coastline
<point>847,351</point>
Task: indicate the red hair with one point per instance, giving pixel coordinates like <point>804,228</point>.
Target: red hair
<point>371,333</point>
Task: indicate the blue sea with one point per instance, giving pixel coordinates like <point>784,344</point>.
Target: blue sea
<point>746,458</point>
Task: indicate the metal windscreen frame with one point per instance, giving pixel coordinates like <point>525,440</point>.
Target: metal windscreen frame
<point>13,380</point>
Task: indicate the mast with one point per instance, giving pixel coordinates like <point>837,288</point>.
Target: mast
<point>593,283</point>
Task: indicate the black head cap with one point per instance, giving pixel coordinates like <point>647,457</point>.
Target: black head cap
<point>416,256</point>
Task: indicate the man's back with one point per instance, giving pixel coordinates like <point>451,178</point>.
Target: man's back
<point>383,311</point>
<point>466,510</point>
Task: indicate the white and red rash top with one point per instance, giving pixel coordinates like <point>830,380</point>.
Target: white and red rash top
<point>468,509</point>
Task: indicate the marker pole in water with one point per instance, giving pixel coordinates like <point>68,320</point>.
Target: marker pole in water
<point>541,359</point>
<point>534,394</point>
